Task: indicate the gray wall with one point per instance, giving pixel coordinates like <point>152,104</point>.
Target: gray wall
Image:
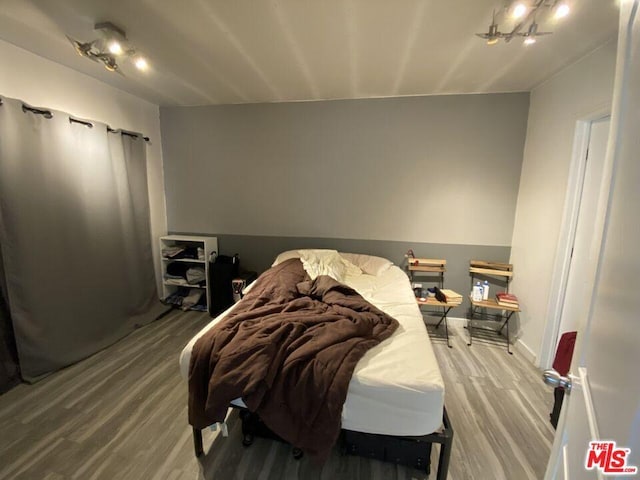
<point>440,169</point>
<point>258,252</point>
<point>436,174</point>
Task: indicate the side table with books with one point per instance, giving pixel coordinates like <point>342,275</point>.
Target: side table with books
<point>443,299</point>
<point>501,308</point>
<point>451,300</point>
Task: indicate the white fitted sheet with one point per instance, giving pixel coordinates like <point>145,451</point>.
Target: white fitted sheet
<point>396,388</point>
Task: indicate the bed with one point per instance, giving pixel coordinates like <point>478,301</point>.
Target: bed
<point>396,390</point>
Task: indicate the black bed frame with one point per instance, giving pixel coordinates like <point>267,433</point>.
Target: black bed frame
<point>444,438</point>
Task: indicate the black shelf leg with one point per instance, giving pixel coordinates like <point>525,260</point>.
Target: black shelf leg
<point>446,327</point>
<point>446,332</point>
<point>506,324</point>
<point>508,346</point>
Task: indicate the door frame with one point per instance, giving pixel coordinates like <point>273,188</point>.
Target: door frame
<point>566,238</point>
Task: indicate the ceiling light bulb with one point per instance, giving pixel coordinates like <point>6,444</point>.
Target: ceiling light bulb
<point>141,64</point>
<point>115,47</point>
<point>529,41</point>
<point>519,10</point>
<point>492,41</point>
<point>562,10</point>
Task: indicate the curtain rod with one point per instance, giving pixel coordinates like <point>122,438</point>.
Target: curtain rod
<point>127,133</point>
<point>37,111</point>
<point>81,122</point>
<point>48,114</point>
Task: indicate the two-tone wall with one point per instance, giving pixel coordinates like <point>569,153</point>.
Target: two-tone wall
<point>436,174</point>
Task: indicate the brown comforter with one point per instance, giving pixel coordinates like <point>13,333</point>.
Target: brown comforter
<point>289,350</point>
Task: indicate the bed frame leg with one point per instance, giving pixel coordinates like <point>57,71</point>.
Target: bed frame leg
<point>445,448</point>
<point>443,460</point>
<point>197,442</point>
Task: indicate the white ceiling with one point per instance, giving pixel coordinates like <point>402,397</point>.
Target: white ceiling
<point>245,51</point>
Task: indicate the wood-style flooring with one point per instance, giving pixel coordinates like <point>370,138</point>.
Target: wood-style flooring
<point>122,414</point>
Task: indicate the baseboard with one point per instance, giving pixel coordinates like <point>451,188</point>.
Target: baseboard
<point>451,321</point>
<point>457,321</point>
<point>526,352</point>
<point>520,346</point>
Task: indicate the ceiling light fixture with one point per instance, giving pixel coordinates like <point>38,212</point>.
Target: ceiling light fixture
<point>111,47</point>
<point>109,62</point>
<point>531,34</point>
<point>493,35</point>
<point>525,13</point>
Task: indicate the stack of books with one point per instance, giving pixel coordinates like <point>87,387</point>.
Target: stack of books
<point>452,297</point>
<point>505,299</point>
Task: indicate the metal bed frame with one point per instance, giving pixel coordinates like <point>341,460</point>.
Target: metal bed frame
<point>443,438</point>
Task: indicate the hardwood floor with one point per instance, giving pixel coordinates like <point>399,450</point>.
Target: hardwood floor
<point>122,414</point>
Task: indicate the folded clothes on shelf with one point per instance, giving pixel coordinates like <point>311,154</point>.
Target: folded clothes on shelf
<point>179,273</point>
<point>195,275</point>
<point>172,252</point>
<point>177,269</point>
<point>188,299</point>
<point>192,299</point>
<point>183,251</point>
<point>168,276</point>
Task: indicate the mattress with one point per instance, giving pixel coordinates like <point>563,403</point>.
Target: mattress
<point>396,388</point>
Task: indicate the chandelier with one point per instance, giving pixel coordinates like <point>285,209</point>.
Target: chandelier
<point>109,48</point>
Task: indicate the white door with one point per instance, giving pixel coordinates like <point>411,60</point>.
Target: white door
<point>604,402</point>
<point>584,258</point>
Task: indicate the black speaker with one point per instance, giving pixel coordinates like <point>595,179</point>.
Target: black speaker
<point>222,270</point>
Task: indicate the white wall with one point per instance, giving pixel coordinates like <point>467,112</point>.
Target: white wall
<point>555,108</point>
<point>43,83</point>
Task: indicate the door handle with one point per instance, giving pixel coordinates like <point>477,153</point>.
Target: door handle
<point>553,378</point>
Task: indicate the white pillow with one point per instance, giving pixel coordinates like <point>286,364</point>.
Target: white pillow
<point>369,264</point>
<point>284,256</point>
<point>327,262</point>
<point>289,254</point>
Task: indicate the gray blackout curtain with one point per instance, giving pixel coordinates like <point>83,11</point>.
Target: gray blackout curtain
<point>74,236</point>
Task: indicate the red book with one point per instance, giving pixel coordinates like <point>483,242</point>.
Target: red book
<point>508,305</point>
<point>506,297</point>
